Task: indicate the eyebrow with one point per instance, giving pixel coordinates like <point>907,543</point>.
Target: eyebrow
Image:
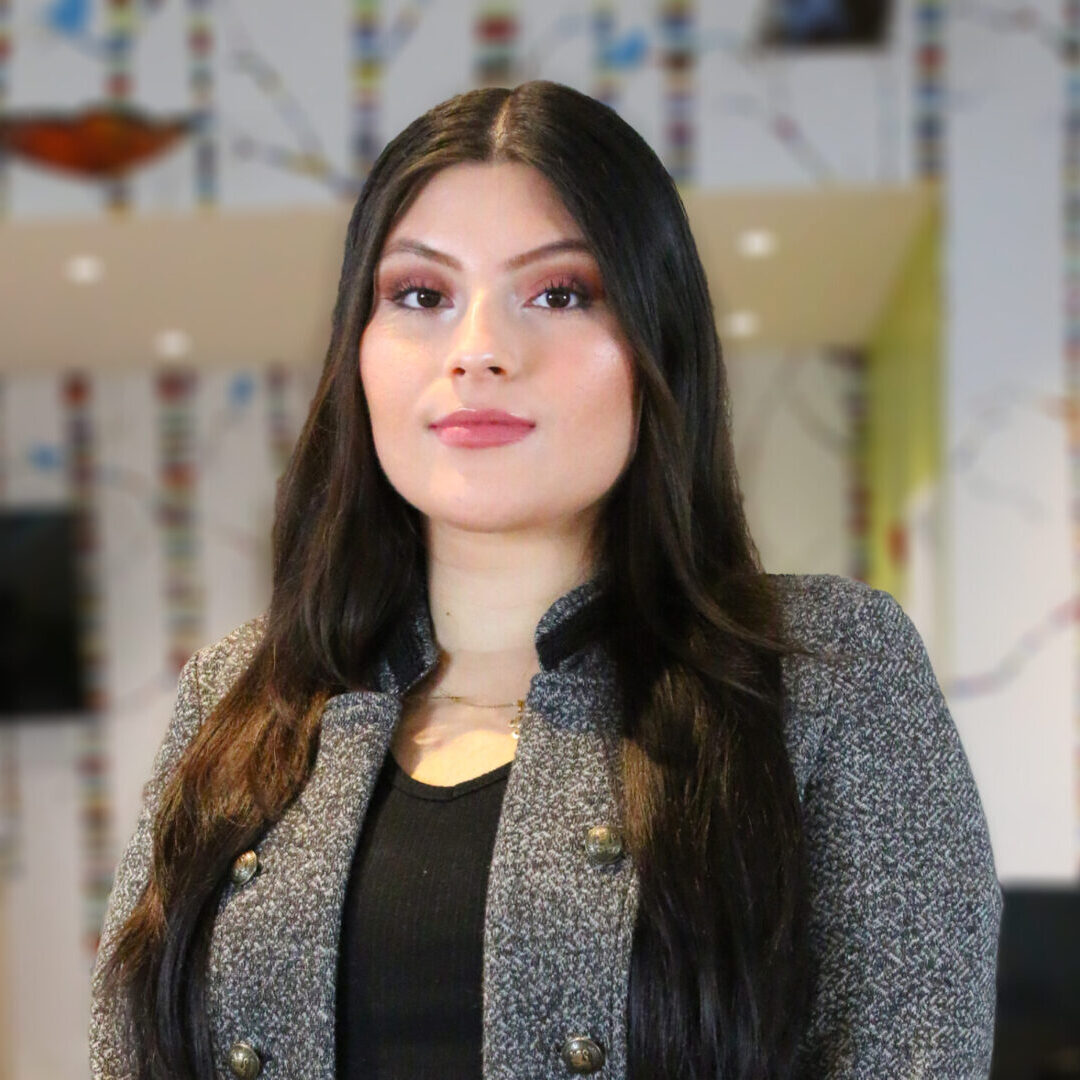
<point>415,247</point>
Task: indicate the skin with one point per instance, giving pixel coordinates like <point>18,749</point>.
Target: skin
<point>476,320</point>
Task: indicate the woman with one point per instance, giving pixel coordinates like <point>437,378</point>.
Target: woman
<point>530,770</point>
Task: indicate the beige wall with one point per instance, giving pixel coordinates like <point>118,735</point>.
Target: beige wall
<point>7,984</point>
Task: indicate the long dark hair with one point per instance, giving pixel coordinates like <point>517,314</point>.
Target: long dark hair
<point>720,979</point>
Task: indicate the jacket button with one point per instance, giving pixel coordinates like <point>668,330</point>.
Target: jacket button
<point>582,1055</point>
<point>243,869</point>
<point>603,845</point>
<point>244,1063</point>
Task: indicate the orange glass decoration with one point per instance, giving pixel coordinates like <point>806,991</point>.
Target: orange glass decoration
<point>101,141</point>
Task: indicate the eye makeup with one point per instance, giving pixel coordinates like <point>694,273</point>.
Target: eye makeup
<point>580,274</point>
<point>401,289</point>
<point>577,275</point>
<point>568,284</point>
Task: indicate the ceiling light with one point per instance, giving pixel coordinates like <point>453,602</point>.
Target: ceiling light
<point>84,269</point>
<point>756,243</point>
<point>741,324</point>
<point>172,344</point>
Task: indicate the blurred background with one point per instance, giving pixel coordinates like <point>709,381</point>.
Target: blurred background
<point>887,200</point>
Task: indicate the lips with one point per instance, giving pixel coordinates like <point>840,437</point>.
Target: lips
<point>481,428</point>
<point>470,417</point>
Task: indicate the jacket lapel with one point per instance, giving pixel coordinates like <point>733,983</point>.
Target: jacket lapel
<point>274,950</point>
<point>558,927</point>
<point>273,962</point>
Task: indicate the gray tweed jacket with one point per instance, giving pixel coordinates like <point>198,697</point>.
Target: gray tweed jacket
<point>905,901</point>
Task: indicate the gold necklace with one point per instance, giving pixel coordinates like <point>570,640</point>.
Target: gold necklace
<point>515,720</point>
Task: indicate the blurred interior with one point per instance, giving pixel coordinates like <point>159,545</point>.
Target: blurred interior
<point>886,198</point>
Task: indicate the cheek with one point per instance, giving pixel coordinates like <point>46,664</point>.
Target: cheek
<point>380,377</point>
<point>604,395</point>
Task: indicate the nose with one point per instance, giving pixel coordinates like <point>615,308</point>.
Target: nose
<point>481,344</point>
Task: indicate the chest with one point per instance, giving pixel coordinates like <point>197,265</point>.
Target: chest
<point>409,999</point>
<point>448,743</point>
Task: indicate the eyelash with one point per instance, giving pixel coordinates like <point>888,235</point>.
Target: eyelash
<point>571,285</point>
<point>563,284</point>
<point>407,286</point>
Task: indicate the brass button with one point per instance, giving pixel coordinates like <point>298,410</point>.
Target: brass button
<point>243,870</point>
<point>243,1061</point>
<point>603,845</point>
<point>582,1055</point>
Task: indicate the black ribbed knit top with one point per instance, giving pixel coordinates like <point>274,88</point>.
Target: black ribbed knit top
<point>409,1002</point>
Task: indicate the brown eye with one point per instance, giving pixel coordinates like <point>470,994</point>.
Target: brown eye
<point>425,298</point>
<point>563,295</point>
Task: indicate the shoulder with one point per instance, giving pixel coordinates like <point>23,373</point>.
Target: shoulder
<point>864,650</point>
<point>904,898</point>
<point>215,667</point>
<point>828,610</point>
<point>204,681</point>
<point>848,626</point>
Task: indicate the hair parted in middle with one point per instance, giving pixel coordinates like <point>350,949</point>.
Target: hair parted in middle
<point>721,976</point>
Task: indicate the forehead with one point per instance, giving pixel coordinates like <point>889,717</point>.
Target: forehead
<point>484,207</point>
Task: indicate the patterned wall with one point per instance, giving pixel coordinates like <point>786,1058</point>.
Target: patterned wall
<point>178,104</point>
<point>256,103</point>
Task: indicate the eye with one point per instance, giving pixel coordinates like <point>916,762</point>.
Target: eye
<point>566,295</point>
<point>425,298</point>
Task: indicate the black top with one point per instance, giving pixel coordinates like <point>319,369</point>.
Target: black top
<point>409,1002</point>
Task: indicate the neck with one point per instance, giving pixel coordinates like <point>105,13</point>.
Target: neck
<point>487,593</point>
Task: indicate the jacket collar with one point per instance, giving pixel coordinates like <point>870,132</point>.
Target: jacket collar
<point>571,623</point>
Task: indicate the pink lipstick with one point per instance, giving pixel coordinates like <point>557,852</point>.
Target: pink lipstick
<point>478,428</point>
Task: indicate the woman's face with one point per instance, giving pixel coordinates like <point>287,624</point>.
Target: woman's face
<point>485,298</point>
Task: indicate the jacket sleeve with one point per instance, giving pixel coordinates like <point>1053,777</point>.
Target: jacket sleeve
<point>110,1052</point>
<point>905,900</point>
